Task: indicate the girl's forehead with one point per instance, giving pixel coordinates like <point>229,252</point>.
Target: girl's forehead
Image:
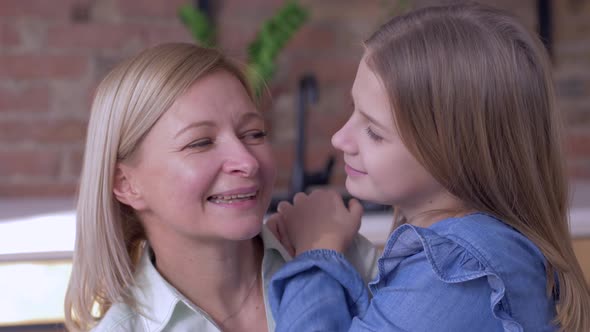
<point>369,93</point>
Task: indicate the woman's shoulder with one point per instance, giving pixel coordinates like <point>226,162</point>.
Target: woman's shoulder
<point>120,317</point>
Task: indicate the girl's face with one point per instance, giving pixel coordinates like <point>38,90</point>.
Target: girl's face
<point>205,170</point>
<point>378,165</point>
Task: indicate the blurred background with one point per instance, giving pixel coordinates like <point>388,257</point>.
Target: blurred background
<point>53,53</point>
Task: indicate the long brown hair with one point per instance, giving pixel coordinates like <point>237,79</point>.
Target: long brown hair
<point>474,102</point>
<point>109,237</point>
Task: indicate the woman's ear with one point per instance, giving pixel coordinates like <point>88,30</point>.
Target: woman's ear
<point>125,190</point>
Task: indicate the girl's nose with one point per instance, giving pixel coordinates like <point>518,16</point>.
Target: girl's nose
<point>344,140</point>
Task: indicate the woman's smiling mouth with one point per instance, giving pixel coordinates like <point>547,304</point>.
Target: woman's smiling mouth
<point>241,197</point>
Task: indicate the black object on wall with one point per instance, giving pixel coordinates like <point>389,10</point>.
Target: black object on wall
<point>545,21</point>
<point>300,178</point>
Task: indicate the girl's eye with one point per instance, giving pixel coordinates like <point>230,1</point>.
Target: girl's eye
<point>254,137</point>
<point>200,144</point>
<point>373,136</point>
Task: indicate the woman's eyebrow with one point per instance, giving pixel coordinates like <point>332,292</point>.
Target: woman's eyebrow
<point>250,116</point>
<point>195,125</point>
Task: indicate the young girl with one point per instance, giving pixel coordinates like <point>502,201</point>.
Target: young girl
<point>454,124</point>
<point>177,177</point>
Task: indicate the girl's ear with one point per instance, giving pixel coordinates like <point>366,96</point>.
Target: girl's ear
<point>125,190</point>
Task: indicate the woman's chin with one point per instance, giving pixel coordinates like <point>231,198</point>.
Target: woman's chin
<point>245,231</point>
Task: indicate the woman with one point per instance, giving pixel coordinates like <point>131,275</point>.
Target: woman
<point>176,180</point>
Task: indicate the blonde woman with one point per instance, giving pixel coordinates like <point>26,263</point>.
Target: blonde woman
<point>176,180</point>
<point>454,124</point>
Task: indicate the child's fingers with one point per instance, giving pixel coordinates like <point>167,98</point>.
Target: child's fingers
<point>284,238</point>
<point>298,197</point>
<point>272,224</point>
<point>355,208</point>
<point>284,207</point>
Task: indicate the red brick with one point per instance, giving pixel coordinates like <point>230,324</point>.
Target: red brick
<point>255,11</point>
<point>323,125</point>
<point>284,156</point>
<point>316,36</point>
<point>579,169</point>
<point>103,64</point>
<point>167,33</point>
<point>578,145</point>
<point>317,154</point>
<point>38,189</point>
<point>576,115</point>
<point>256,4</point>
<point>30,98</point>
<point>70,98</point>
<point>234,37</point>
<point>74,162</point>
<point>93,36</point>
<point>29,163</point>
<point>9,35</point>
<point>346,11</point>
<point>328,69</point>
<point>52,131</point>
<point>36,8</point>
<point>43,66</point>
<point>150,8</point>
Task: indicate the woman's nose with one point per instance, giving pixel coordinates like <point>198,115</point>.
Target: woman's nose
<point>240,161</point>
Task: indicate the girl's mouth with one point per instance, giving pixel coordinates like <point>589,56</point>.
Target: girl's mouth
<point>352,171</point>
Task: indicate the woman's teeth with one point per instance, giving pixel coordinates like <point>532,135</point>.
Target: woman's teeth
<point>231,198</point>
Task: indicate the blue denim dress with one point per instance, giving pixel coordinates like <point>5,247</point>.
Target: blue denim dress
<point>473,273</point>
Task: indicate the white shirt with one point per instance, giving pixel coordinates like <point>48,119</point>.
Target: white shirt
<point>163,308</point>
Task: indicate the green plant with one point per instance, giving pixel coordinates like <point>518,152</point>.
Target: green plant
<point>264,49</point>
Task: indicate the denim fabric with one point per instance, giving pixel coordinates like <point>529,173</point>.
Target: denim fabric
<point>473,273</point>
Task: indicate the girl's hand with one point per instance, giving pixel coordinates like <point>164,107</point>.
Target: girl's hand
<point>319,220</point>
<point>277,227</point>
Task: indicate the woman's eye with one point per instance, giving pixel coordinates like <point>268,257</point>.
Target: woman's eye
<point>201,143</point>
<point>373,136</point>
<point>254,136</point>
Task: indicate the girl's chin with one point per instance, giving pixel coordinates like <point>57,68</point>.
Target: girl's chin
<point>366,194</point>
<point>356,191</point>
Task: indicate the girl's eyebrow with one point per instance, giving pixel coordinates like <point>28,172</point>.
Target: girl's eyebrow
<point>367,116</point>
<point>372,120</point>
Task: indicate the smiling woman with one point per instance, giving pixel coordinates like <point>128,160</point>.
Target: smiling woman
<point>177,177</point>
<point>170,129</point>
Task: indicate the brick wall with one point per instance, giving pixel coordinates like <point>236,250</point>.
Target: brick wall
<point>53,53</point>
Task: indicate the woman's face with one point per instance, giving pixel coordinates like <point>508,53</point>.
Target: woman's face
<point>379,167</point>
<point>205,169</point>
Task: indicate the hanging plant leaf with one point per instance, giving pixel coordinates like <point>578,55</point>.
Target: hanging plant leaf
<point>271,39</point>
<point>198,24</point>
<point>266,46</point>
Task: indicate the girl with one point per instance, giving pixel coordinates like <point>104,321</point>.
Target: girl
<point>176,180</point>
<point>454,124</point>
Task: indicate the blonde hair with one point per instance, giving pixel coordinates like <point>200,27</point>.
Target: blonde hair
<point>472,96</point>
<point>109,237</point>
